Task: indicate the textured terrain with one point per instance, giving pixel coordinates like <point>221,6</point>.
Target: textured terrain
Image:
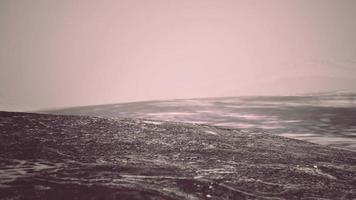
<point>327,119</point>
<point>79,157</point>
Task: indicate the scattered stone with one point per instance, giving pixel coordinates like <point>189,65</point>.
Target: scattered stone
<point>98,158</point>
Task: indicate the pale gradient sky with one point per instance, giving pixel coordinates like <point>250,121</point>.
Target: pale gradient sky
<point>81,52</point>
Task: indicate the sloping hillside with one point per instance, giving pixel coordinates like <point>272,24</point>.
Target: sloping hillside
<point>79,157</point>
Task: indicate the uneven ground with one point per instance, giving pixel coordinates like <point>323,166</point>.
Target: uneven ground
<point>79,157</point>
<point>327,119</point>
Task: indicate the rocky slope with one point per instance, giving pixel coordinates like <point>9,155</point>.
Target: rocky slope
<point>78,157</point>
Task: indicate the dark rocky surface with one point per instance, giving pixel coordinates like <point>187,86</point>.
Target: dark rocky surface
<point>79,157</point>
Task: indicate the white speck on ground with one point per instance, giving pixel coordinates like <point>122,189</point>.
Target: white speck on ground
<point>211,132</point>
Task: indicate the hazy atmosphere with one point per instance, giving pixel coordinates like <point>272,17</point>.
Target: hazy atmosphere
<point>70,53</point>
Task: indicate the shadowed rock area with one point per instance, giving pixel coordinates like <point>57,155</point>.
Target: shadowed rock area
<point>79,157</point>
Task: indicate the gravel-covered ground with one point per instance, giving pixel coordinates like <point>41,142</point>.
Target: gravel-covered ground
<point>79,157</point>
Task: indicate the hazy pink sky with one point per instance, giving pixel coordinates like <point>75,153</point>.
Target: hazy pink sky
<point>80,52</point>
